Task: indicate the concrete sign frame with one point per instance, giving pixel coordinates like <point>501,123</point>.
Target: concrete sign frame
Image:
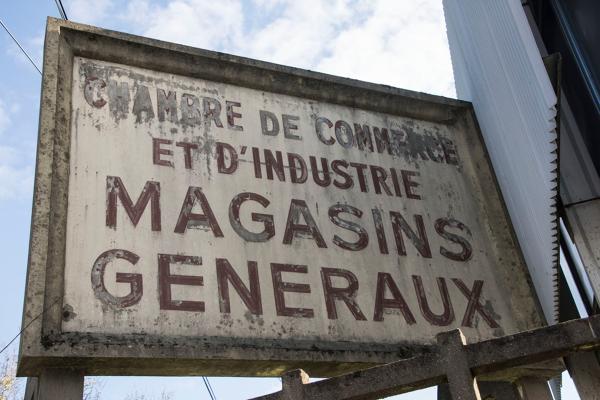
<point>45,343</point>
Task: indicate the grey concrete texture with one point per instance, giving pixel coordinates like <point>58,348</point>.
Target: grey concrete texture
<point>44,344</point>
<point>461,382</point>
<point>459,364</point>
<point>56,384</point>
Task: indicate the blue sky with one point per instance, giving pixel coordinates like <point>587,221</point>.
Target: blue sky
<point>398,42</point>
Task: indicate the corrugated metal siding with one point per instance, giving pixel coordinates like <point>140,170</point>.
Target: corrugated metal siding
<point>498,67</point>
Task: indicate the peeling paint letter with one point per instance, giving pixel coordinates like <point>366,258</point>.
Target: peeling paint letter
<point>166,279</point>
<point>134,280</point>
<point>280,287</point>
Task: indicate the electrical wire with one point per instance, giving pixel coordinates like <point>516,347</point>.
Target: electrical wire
<point>61,9</point>
<point>207,384</point>
<point>19,44</point>
<point>209,388</point>
<point>29,323</point>
<point>63,14</point>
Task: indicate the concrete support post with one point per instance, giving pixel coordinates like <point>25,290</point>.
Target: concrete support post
<point>31,388</point>
<point>55,384</point>
<point>455,362</point>
<point>488,391</point>
<point>461,382</point>
<point>534,389</point>
<point>584,369</point>
<point>292,383</point>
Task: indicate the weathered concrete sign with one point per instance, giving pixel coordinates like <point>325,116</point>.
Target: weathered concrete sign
<point>220,215</point>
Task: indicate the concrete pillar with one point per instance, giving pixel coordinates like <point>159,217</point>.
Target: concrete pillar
<point>584,369</point>
<point>31,388</point>
<point>292,383</point>
<point>532,388</point>
<point>461,382</point>
<point>55,384</point>
<point>487,390</point>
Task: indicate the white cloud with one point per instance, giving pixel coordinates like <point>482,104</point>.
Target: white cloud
<point>16,177</point>
<point>303,32</point>
<point>88,12</point>
<point>268,4</point>
<point>8,155</point>
<point>401,43</point>
<point>396,42</point>
<point>4,117</point>
<point>36,44</point>
<point>34,47</point>
<point>200,23</point>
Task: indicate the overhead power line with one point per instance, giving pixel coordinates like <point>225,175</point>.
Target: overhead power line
<point>30,322</point>
<point>19,44</point>
<point>209,388</point>
<point>61,9</point>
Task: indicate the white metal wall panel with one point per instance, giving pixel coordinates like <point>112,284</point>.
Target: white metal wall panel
<point>498,67</point>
